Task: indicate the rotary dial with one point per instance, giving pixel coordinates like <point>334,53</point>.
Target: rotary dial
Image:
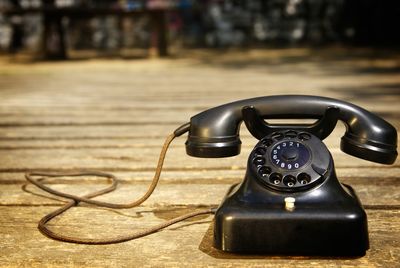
<point>290,160</point>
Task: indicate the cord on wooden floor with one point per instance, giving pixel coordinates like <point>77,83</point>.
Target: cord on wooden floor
<point>75,200</point>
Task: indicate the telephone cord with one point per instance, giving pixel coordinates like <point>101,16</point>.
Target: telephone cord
<point>75,200</point>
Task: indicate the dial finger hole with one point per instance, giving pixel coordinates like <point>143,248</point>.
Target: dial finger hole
<point>275,178</point>
<point>291,134</point>
<point>260,151</point>
<point>289,180</point>
<point>264,171</point>
<point>259,161</point>
<point>303,178</point>
<point>267,142</point>
<point>304,136</point>
<point>277,136</point>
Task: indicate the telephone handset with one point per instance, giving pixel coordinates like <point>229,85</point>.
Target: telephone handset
<point>215,132</point>
<point>290,201</point>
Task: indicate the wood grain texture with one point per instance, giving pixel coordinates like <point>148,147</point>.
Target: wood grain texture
<point>114,115</point>
<point>207,193</point>
<point>189,243</point>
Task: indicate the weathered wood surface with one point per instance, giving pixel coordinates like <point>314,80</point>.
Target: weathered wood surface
<point>114,115</point>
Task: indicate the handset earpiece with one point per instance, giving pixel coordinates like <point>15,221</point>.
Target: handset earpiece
<point>215,132</point>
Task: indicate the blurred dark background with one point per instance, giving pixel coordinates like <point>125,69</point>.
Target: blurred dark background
<point>63,28</point>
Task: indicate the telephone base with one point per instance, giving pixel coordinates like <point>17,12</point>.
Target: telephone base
<point>241,227</point>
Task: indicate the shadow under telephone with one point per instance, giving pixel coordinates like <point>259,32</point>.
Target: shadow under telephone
<point>290,201</point>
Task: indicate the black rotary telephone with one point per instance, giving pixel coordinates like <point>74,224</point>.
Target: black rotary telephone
<point>290,201</point>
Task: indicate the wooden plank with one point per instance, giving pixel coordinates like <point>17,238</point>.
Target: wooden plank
<point>95,109</point>
<point>149,110</point>
<point>130,159</point>
<point>185,86</point>
<point>114,139</point>
<point>140,153</point>
<point>138,119</point>
<point>189,243</point>
<point>379,194</point>
<point>88,132</point>
<point>171,194</point>
<point>135,117</point>
<point>376,176</point>
<point>151,140</point>
<point>45,106</point>
<point>109,128</point>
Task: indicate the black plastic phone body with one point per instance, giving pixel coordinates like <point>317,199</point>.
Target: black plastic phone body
<point>290,201</point>
<point>319,228</point>
<point>326,219</point>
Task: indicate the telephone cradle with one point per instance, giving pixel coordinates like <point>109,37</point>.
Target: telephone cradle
<point>290,201</point>
<point>306,212</point>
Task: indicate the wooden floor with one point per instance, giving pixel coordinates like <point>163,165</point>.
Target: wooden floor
<point>113,116</point>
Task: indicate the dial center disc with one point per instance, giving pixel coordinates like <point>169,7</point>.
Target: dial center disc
<point>290,155</point>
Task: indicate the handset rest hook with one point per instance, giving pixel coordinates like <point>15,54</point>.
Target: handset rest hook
<point>259,128</point>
